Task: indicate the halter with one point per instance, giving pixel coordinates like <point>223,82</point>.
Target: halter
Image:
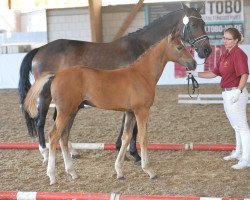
<point>186,30</point>
<point>192,41</point>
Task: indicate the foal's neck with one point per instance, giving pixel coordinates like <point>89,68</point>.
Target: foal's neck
<point>152,63</point>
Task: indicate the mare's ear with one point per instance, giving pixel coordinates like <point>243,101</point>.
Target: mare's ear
<point>185,8</point>
<point>200,7</point>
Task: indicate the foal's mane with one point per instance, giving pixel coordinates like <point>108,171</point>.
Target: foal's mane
<point>151,48</point>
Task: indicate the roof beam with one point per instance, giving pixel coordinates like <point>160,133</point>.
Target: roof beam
<point>95,8</point>
<point>129,19</point>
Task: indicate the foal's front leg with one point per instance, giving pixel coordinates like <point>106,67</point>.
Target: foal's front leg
<point>142,118</point>
<point>126,137</point>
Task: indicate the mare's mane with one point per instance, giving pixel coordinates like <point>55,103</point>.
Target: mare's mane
<point>153,24</point>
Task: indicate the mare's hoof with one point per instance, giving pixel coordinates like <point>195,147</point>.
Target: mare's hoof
<point>76,156</point>
<point>154,177</point>
<point>137,162</point>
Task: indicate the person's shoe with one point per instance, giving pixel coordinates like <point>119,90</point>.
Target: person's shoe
<point>234,155</point>
<point>242,164</point>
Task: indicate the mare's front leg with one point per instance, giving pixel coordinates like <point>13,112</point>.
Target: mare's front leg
<point>43,107</point>
<point>142,118</point>
<point>126,137</point>
<point>132,147</point>
<point>73,152</point>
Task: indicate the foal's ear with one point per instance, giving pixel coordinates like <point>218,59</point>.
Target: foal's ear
<point>173,35</point>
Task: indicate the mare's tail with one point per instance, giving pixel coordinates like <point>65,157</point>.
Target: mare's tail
<point>30,102</point>
<point>24,86</point>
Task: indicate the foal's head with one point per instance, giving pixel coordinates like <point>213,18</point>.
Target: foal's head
<point>176,52</point>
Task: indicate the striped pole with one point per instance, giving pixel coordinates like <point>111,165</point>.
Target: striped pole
<point>96,196</point>
<point>103,146</point>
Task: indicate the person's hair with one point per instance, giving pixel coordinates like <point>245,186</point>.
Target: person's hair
<point>235,33</point>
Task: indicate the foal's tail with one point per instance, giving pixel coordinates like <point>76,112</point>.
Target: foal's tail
<point>24,86</point>
<point>30,102</point>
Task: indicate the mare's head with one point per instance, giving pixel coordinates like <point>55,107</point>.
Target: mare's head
<point>176,52</point>
<point>193,31</point>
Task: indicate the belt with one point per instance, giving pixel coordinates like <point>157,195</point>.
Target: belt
<point>229,89</point>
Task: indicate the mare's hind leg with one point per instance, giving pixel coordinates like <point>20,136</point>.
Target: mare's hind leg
<point>43,107</point>
<point>132,147</point>
<point>73,152</point>
<point>142,118</point>
<point>126,137</point>
<point>64,141</point>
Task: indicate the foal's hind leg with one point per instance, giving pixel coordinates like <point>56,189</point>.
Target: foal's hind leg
<point>126,137</point>
<point>64,141</point>
<point>142,118</point>
<point>54,136</point>
<point>73,152</point>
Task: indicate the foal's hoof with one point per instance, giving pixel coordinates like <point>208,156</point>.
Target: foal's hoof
<point>121,178</point>
<point>52,181</point>
<point>75,156</point>
<point>154,177</point>
<point>45,161</point>
<point>126,158</point>
<point>75,176</point>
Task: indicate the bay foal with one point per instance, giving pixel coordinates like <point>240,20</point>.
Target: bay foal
<point>130,89</point>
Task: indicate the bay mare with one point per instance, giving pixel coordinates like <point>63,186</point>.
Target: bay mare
<point>61,54</point>
<point>130,89</point>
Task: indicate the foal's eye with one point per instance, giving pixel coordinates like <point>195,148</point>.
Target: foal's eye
<point>180,48</point>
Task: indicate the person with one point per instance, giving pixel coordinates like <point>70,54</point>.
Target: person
<point>232,66</point>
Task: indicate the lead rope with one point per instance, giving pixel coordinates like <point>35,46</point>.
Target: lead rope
<point>195,85</point>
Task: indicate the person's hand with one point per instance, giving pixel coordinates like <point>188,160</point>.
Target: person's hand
<point>236,95</point>
<point>194,73</point>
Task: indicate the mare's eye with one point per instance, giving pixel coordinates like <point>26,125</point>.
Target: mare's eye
<point>180,48</point>
<point>193,25</point>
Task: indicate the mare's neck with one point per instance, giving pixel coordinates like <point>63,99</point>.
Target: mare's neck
<point>152,63</point>
<point>160,28</point>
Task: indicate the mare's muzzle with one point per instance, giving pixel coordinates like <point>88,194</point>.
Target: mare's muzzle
<point>191,65</point>
<point>204,50</point>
